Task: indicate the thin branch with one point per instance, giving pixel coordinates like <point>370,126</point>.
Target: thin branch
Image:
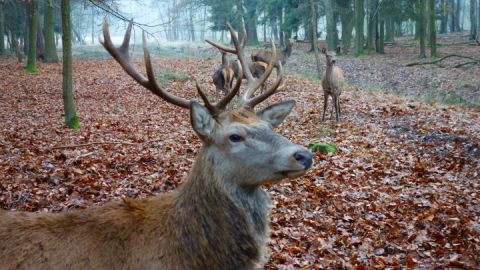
<point>438,61</point>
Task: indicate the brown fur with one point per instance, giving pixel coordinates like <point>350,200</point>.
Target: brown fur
<point>217,219</point>
<point>266,56</point>
<point>223,77</point>
<point>256,68</point>
<point>198,226</point>
<point>244,116</point>
<point>332,82</point>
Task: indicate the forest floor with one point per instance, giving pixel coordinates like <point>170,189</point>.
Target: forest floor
<point>402,190</point>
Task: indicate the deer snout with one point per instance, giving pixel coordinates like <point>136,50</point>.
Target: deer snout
<point>304,158</point>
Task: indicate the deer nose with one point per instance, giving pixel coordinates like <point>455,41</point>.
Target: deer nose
<point>304,158</point>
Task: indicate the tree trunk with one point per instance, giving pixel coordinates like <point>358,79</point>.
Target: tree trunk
<point>314,38</point>
<point>371,25</point>
<point>417,19</point>
<point>250,20</point>
<point>457,16</point>
<point>40,42</point>
<point>473,21</point>
<point>331,24</point>
<point>191,24</point>
<point>443,17</point>
<point>71,119</point>
<point>453,20</point>
<point>2,29</point>
<point>273,24</point>
<point>389,7</point>
<point>421,22</point>
<point>32,37</point>
<point>432,28</point>
<point>49,28</point>
<point>359,17</point>
<point>381,36</point>
<point>92,21</point>
<point>478,21</point>
<point>239,17</point>
<point>348,22</point>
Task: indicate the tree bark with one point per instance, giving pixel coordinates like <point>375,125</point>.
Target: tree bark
<point>314,38</point>
<point>49,28</point>
<point>389,7</point>
<point>359,17</point>
<point>432,28</point>
<point>421,22</point>
<point>71,119</point>
<point>473,21</point>
<point>457,16</point>
<point>444,17</point>
<point>348,22</point>
<point>40,42</point>
<point>371,25</point>
<point>250,19</point>
<point>331,24</point>
<point>2,29</point>
<point>32,37</point>
<point>381,37</point>
<point>453,20</point>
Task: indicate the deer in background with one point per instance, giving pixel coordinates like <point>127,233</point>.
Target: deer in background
<point>332,83</point>
<point>223,76</point>
<point>217,219</point>
<point>267,56</point>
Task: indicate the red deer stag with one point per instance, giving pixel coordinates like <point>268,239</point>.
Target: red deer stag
<point>267,56</point>
<point>223,76</point>
<point>217,219</point>
<point>332,83</point>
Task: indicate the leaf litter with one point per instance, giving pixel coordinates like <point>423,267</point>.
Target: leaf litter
<point>402,190</point>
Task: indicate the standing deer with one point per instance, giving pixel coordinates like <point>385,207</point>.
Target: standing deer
<point>217,219</point>
<point>267,56</point>
<point>223,76</point>
<point>332,83</point>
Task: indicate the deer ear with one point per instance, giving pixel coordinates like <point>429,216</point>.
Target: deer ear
<point>276,113</point>
<point>201,119</point>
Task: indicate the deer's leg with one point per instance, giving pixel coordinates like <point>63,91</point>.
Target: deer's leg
<point>325,103</point>
<point>337,107</point>
<point>334,101</point>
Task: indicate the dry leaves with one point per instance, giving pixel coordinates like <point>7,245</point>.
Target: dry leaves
<point>402,191</point>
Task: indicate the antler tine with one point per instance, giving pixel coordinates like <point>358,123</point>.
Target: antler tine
<point>278,85</point>
<point>207,103</point>
<point>221,47</point>
<point>258,83</point>
<point>240,52</point>
<point>120,54</point>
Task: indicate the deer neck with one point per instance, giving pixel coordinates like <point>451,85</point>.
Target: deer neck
<point>208,181</point>
<point>224,60</point>
<point>329,72</point>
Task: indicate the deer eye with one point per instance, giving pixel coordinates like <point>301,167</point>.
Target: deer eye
<point>236,138</point>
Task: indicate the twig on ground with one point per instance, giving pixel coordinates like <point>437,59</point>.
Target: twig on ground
<point>439,61</point>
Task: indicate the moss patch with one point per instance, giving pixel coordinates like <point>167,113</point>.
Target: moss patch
<point>73,123</point>
<point>31,69</point>
<point>323,147</point>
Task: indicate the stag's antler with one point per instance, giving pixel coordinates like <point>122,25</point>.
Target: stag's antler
<point>120,54</point>
<point>248,100</point>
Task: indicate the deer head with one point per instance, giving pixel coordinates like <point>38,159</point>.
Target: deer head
<point>330,57</point>
<point>240,144</point>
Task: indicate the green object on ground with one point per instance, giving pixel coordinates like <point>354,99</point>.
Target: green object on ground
<point>323,147</point>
